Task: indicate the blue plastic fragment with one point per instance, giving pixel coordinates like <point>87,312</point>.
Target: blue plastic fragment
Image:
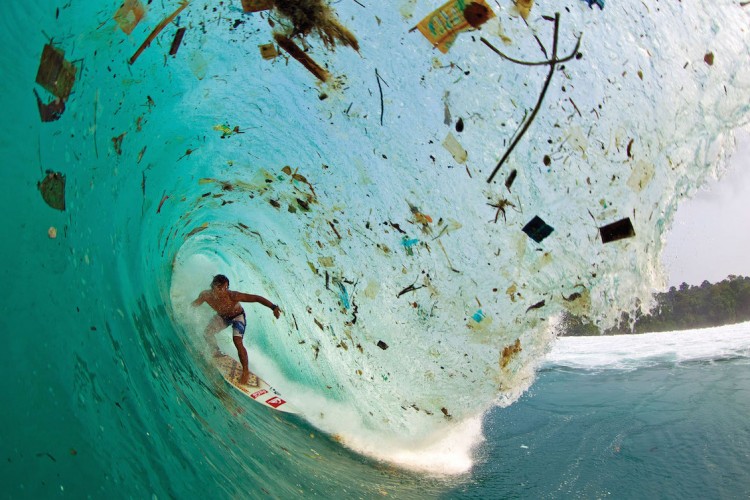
<point>408,243</point>
<point>344,296</point>
<point>599,3</point>
<point>478,316</point>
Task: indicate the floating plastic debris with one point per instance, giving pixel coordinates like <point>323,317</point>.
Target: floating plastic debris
<point>537,229</point>
<point>344,296</point>
<point>227,130</point>
<point>478,316</point>
<point>524,7</point>
<point>268,51</point>
<point>599,3</point>
<point>129,15</point>
<point>621,229</point>
<point>442,26</point>
<point>408,243</point>
<point>455,148</point>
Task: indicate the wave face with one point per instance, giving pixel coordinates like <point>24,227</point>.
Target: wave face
<point>411,302</point>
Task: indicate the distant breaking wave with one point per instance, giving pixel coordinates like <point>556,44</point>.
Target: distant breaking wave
<point>630,352</point>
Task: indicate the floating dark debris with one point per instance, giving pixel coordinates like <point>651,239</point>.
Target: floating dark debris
<point>256,5</point>
<point>509,353</point>
<point>382,345</point>
<point>510,179</point>
<point>268,51</point>
<point>537,229</point>
<point>619,230</point>
<point>177,41</point>
<point>55,74</point>
<point>51,111</point>
<point>159,27</point>
<point>52,188</point>
<point>315,16</point>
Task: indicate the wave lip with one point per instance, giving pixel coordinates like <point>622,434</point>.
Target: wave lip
<point>630,352</point>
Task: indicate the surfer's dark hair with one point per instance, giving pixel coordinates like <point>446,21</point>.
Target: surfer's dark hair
<point>219,279</point>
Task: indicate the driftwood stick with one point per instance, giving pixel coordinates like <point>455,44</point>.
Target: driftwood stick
<point>297,53</point>
<point>163,24</point>
<point>553,62</point>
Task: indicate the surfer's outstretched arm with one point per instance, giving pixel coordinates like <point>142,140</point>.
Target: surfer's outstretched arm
<point>200,300</point>
<point>248,297</point>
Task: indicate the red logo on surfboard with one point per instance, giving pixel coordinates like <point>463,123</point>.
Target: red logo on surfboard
<point>275,402</point>
<point>258,394</point>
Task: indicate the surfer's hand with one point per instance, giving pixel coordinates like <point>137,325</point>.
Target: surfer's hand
<point>276,312</point>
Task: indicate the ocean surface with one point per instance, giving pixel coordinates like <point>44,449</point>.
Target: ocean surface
<point>422,216</point>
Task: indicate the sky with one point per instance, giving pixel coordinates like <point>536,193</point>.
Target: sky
<point>710,236</point>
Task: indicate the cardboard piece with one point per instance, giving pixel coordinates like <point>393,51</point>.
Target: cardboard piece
<point>55,74</point>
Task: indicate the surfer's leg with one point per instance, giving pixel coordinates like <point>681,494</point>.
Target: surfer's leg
<point>238,333</point>
<point>242,352</point>
<point>214,326</point>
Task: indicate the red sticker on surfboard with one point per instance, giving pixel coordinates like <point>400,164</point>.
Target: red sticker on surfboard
<point>258,394</point>
<point>275,402</point>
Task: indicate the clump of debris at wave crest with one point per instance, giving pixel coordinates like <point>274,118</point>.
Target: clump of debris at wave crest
<point>315,17</point>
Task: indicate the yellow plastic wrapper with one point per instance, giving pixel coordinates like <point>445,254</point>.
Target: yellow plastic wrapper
<point>444,24</point>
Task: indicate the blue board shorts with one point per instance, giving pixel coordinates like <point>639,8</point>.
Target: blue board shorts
<point>237,323</point>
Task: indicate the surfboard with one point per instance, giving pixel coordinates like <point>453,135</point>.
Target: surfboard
<point>256,388</point>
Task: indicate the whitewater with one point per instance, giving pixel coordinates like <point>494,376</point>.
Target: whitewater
<point>421,284</point>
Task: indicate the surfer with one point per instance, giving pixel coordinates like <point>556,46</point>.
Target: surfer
<point>226,303</point>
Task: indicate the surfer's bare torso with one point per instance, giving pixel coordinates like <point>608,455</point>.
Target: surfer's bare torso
<point>229,312</point>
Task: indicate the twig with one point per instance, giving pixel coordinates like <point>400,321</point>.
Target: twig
<point>537,63</point>
<point>380,88</point>
<point>541,45</point>
<point>410,288</point>
<point>163,24</point>
<point>576,107</point>
<point>552,63</point>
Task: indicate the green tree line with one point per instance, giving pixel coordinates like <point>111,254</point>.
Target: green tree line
<point>684,308</point>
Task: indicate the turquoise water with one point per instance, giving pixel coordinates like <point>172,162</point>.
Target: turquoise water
<point>375,234</point>
<point>669,425</point>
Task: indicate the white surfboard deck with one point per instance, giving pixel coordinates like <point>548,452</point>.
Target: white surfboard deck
<point>256,389</point>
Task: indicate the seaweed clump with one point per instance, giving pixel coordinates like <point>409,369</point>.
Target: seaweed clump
<point>316,16</point>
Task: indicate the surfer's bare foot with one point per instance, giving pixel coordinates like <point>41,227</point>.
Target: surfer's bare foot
<point>245,377</point>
